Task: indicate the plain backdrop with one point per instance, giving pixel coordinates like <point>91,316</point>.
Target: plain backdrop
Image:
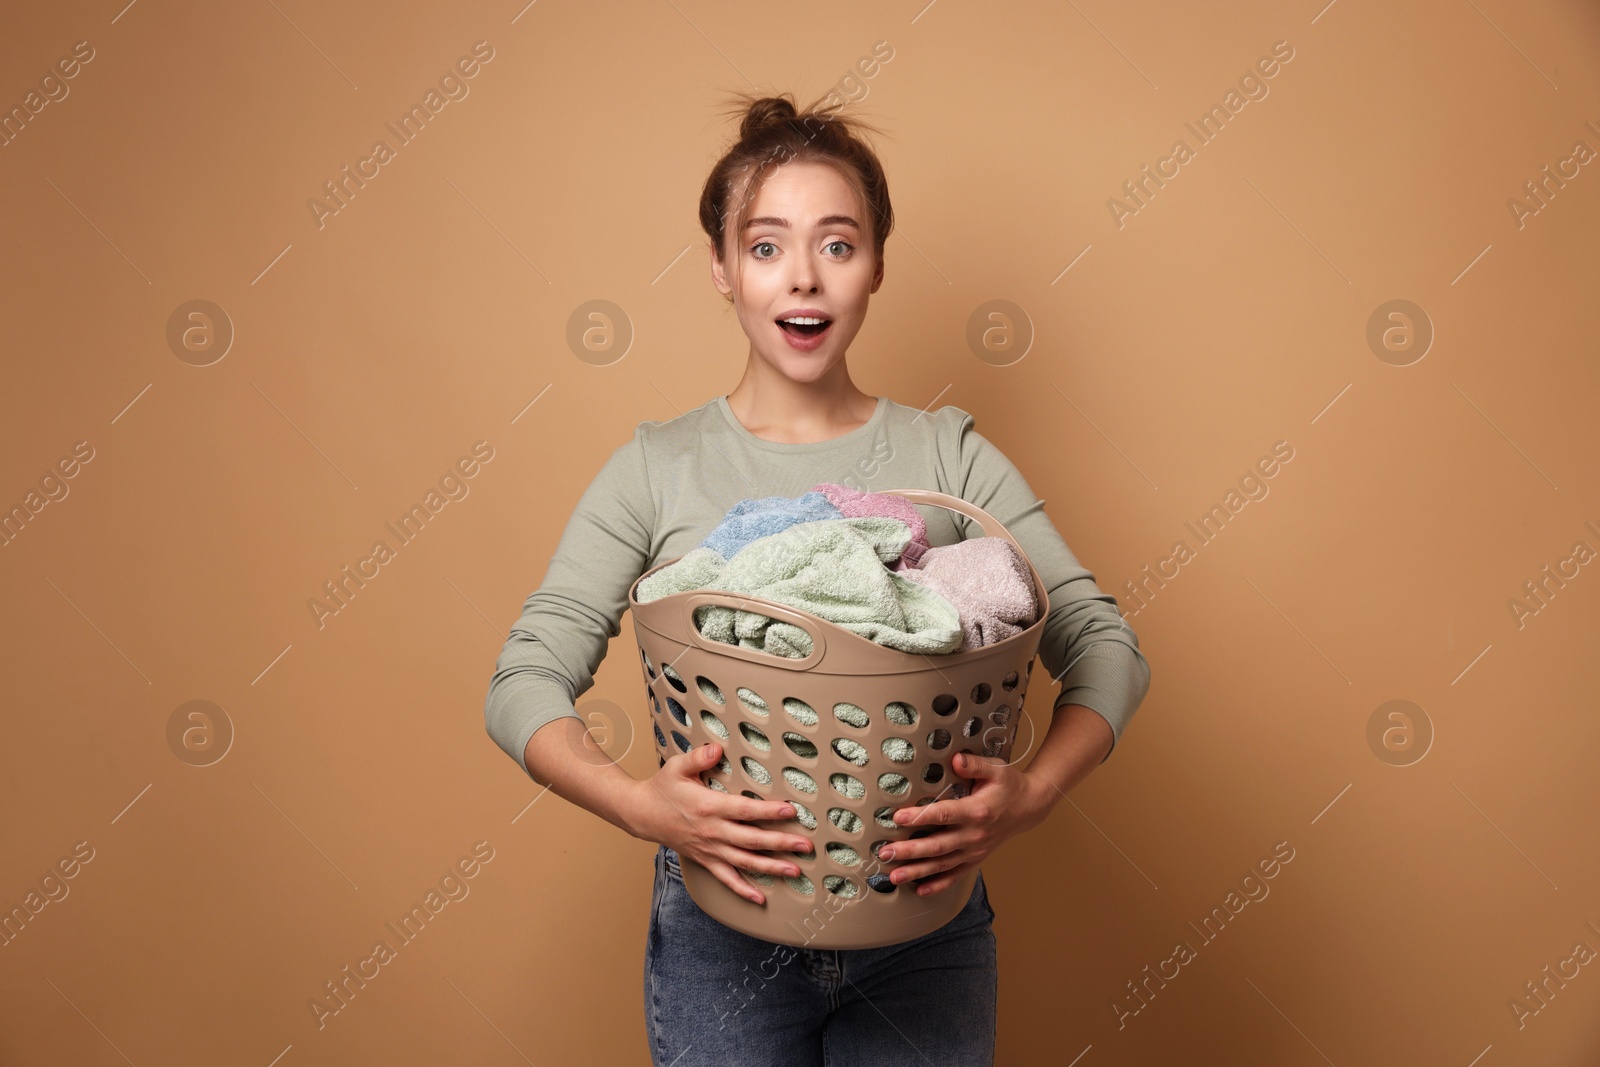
<point>1372,261</point>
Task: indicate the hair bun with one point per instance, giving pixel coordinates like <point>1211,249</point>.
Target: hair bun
<point>767,111</point>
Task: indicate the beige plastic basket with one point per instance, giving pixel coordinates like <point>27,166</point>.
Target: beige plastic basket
<point>849,734</point>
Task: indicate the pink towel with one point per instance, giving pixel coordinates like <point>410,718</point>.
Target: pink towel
<point>853,504</point>
<point>988,581</point>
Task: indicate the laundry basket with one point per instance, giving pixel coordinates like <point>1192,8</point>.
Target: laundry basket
<point>848,735</point>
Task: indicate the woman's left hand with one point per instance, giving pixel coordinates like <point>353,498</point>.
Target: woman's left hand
<point>1004,802</point>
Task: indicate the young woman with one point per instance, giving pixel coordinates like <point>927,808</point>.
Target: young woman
<point>797,213</point>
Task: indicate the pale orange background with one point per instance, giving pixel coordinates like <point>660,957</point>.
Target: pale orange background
<point>1230,313</point>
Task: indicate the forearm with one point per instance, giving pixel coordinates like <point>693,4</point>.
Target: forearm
<point>563,756</point>
<point>1078,739</point>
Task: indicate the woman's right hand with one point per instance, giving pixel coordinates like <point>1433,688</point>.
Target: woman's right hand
<point>675,808</point>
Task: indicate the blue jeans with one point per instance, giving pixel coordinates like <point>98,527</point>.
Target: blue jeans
<point>716,996</point>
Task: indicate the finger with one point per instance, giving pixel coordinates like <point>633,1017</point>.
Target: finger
<point>939,883</point>
<point>740,862</point>
<point>731,877</point>
<point>922,868</point>
<point>748,809</point>
<point>939,813</point>
<point>969,765</point>
<point>724,849</point>
<point>701,759</point>
<point>919,847</point>
<point>757,861</point>
<point>760,840</point>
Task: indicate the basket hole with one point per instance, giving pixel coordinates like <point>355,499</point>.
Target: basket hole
<point>655,702</point>
<point>933,772</point>
<point>999,716</point>
<point>847,785</point>
<point>884,816</point>
<point>926,800</point>
<point>843,855</point>
<point>876,845</point>
<point>714,724</point>
<point>717,785</point>
<point>845,819</point>
<point>678,712</point>
<point>1010,682</point>
<point>924,832</point>
<point>803,747</point>
<point>804,814</point>
<point>755,737</point>
<point>841,886</point>
<point>893,784</point>
<point>944,704</point>
<point>850,751</point>
<point>673,679</point>
<point>900,713</point>
<point>759,877</point>
<point>723,766</point>
<point>899,749</point>
<point>800,779</point>
<point>960,788</point>
<point>661,761</point>
<point>752,701</point>
<point>800,711</point>
<point>971,727</point>
<point>661,738</point>
<point>881,883</point>
<point>681,741</point>
<point>992,745</point>
<point>980,693</point>
<point>761,775</point>
<point>800,884</point>
<point>752,794</point>
<point>851,715</point>
<point>709,690</point>
<point>649,668</point>
<point>939,738</point>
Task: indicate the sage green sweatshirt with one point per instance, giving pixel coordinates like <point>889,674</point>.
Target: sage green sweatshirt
<point>662,492</point>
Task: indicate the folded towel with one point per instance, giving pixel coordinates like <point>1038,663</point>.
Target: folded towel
<point>988,581</point>
<point>750,519</point>
<point>853,503</point>
<point>833,569</point>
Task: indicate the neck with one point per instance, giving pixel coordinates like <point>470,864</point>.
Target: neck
<point>771,405</point>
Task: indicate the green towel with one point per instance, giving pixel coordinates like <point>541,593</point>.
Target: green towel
<point>833,569</point>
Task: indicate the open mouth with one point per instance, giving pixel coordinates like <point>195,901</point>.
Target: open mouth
<point>807,328</point>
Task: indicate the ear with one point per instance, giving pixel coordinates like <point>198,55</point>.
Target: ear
<point>718,273</point>
<point>877,276</point>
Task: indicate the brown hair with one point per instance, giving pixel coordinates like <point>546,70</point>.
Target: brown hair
<point>773,133</point>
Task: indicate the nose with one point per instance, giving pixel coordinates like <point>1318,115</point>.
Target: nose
<point>805,275</point>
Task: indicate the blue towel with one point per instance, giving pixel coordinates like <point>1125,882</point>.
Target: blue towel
<point>751,519</point>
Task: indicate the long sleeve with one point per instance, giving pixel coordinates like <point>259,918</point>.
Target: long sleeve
<point>554,649</point>
<point>1087,645</point>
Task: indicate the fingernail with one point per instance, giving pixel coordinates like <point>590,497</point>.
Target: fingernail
<point>787,811</point>
<point>886,853</point>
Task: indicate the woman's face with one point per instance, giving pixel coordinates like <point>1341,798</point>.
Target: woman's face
<point>805,251</point>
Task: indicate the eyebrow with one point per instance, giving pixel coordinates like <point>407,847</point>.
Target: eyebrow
<point>825,221</point>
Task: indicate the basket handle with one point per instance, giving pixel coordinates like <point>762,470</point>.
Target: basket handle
<point>769,608</point>
<point>991,525</point>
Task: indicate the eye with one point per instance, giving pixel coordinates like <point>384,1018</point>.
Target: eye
<point>845,244</point>
<point>760,244</point>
